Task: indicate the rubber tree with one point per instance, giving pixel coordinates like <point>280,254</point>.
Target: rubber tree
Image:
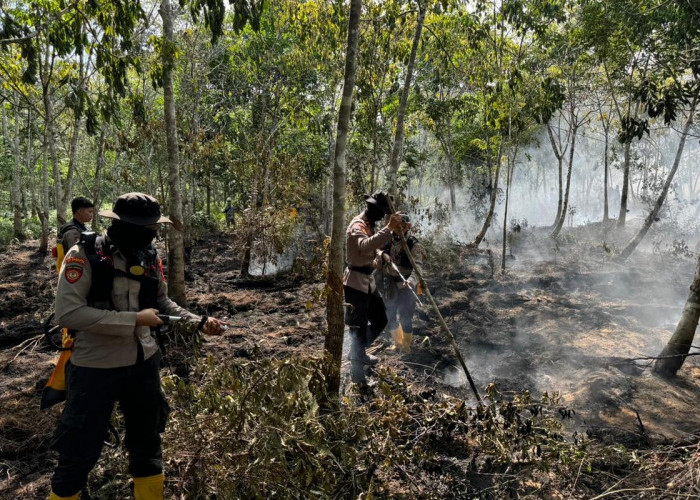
<point>333,344</point>
<point>403,103</point>
<point>213,15</point>
<point>673,355</point>
<point>654,213</point>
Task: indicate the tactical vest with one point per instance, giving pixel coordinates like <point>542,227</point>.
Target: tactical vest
<point>148,271</point>
<point>403,260</point>
<point>99,253</point>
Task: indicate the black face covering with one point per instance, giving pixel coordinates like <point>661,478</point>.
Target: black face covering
<point>130,238</point>
<point>374,213</point>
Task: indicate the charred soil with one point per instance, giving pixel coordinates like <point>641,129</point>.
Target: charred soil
<point>564,320</point>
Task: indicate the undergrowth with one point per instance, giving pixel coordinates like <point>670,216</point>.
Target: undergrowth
<point>256,430</point>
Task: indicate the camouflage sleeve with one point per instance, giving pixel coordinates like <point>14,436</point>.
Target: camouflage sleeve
<point>72,309</point>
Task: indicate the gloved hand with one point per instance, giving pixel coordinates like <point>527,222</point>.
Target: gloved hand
<point>395,222</point>
<point>213,326</point>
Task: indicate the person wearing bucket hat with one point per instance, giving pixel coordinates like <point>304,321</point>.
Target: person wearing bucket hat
<point>365,313</point>
<point>111,289</point>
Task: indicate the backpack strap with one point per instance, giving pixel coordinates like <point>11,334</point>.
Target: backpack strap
<point>100,258</point>
<point>65,228</point>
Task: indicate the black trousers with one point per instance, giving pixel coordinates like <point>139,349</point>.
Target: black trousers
<point>400,307</point>
<point>364,309</point>
<point>83,427</point>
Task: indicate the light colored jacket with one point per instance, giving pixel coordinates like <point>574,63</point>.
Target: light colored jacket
<point>106,338</point>
<point>362,245</point>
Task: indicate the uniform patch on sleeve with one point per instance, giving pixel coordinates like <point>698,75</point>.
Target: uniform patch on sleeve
<point>359,227</point>
<point>75,260</point>
<point>73,273</point>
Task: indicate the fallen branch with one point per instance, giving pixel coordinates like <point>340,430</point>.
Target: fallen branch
<point>22,347</point>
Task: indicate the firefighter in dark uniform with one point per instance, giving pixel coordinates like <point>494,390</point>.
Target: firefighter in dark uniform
<point>399,292</point>
<point>365,313</point>
<point>111,304</point>
<point>69,234</point>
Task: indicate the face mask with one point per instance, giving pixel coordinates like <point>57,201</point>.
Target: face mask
<point>130,237</point>
<point>374,213</point>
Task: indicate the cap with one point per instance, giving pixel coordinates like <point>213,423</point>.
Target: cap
<point>79,203</point>
<point>380,199</point>
<point>136,208</point>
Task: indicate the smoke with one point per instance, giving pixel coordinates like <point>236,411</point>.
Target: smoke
<point>534,192</point>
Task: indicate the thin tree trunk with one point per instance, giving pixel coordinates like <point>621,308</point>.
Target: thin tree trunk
<point>50,137</point>
<point>29,163</point>
<point>44,210</point>
<point>16,171</point>
<point>334,285</point>
<point>509,179</point>
<point>559,155</point>
<point>622,217</point>
<point>660,200</point>
<point>606,213</point>
<point>176,258</point>
<point>673,355</point>
<point>565,204</point>
<point>97,189</point>
<point>492,206</point>
<point>68,188</point>
<point>403,103</point>
<point>453,195</point>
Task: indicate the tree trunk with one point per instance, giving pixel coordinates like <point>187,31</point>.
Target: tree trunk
<point>622,217</point>
<point>509,179</point>
<point>606,213</point>
<point>29,163</point>
<point>16,194</point>
<point>673,355</point>
<point>97,190</point>
<point>453,195</point>
<point>565,204</point>
<point>660,201</point>
<point>68,188</point>
<point>44,209</point>
<point>334,284</point>
<point>401,114</point>
<point>559,155</point>
<point>492,207</point>
<point>176,258</point>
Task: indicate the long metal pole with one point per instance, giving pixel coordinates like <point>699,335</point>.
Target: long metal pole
<point>434,305</point>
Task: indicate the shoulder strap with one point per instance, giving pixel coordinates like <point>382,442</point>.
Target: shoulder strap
<point>100,259</point>
<point>65,228</point>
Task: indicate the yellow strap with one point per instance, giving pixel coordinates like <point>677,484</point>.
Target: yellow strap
<point>60,255</point>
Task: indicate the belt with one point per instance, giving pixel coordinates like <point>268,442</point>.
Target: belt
<point>362,269</point>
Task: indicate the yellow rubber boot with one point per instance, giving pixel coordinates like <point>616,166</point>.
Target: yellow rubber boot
<point>54,496</point>
<point>149,488</point>
<point>397,337</point>
<point>406,344</point>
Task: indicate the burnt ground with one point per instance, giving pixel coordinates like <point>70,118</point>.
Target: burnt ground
<point>563,318</point>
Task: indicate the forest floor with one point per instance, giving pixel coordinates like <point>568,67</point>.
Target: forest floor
<point>562,319</point>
